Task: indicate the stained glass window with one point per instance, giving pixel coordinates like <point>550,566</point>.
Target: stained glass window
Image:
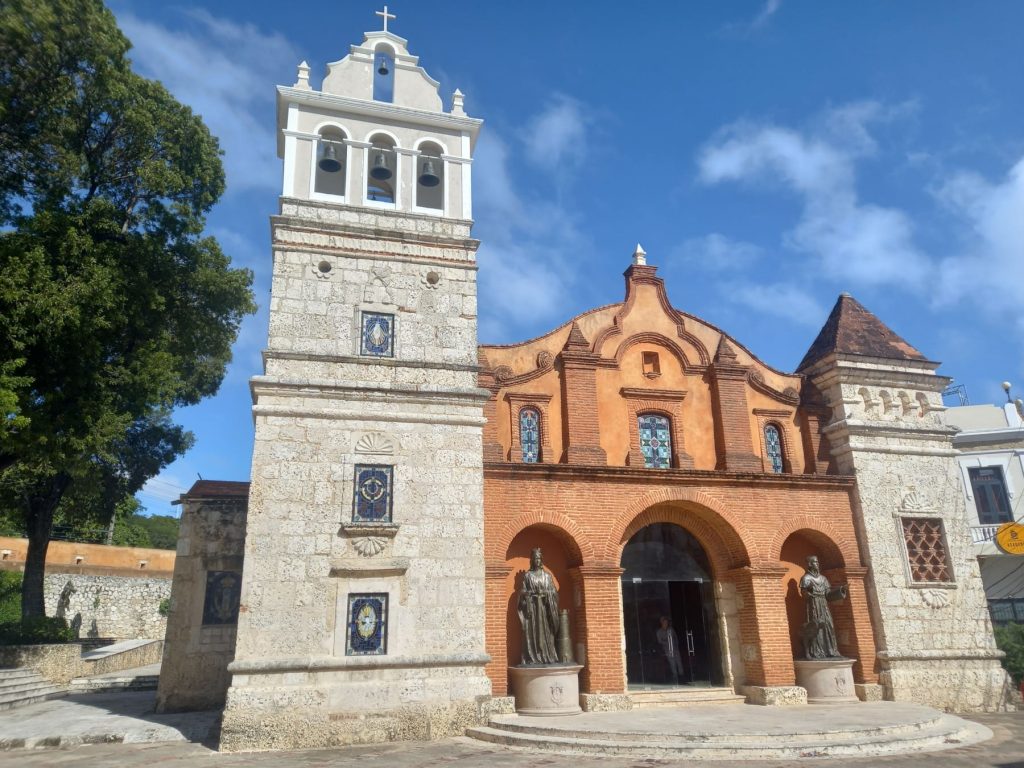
<point>655,440</point>
<point>372,494</point>
<point>773,447</point>
<point>222,591</point>
<point>367,625</point>
<point>378,335</point>
<point>529,434</point>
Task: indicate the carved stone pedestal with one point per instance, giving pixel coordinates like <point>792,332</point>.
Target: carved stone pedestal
<point>828,681</point>
<point>541,691</point>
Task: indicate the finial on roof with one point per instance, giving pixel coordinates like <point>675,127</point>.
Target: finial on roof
<point>576,338</point>
<point>303,81</point>
<point>458,101</point>
<point>846,295</point>
<point>639,256</point>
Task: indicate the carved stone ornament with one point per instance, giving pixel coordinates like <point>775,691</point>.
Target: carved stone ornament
<point>912,502</point>
<point>503,373</point>
<point>368,546</point>
<point>544,359</point>
<point>935,598</point>
<point>374,442</point>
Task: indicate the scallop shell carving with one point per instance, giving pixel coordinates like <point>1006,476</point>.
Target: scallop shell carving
<point>912,502</point>
<point>935,598</point>
<point>374,442</point>
<point>368,546</point>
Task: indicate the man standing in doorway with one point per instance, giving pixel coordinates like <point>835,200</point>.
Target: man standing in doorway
<point>669,642</point>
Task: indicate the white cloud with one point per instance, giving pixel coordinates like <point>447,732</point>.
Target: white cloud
<point>784,300</point>
<point>556,137</point>
<point>525,238</point>
<point>226,72</point>
<point>764,15</point>
<point>716,253</point>
<point>852,242</point>
<point>989,270</point>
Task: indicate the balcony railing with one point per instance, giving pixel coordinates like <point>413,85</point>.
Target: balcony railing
<point>982,533</point>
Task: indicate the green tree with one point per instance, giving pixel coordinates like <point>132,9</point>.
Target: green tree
<point>114,308</point>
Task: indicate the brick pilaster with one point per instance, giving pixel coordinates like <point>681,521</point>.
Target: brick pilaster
<point>579,367</point>
<point>732,414</point>
<point>486,379</point>
<point>853,622</point>
<point>764,629</point>
<point>495,637</point>
<point>600,628</point>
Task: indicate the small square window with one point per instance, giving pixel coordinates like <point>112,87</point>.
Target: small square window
<point>926,550</point>
<point>652,365</point>
<point>372,494</point>
<point>367,625</point>
<point>377,335</point>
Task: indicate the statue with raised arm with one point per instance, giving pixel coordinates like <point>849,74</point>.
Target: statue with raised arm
<point>538,614</point>
<point>819,632</point>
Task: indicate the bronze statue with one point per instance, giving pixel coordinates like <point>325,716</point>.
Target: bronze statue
<point>819,633</point>
<point>538,614</point>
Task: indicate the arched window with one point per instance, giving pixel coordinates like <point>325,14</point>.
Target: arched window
<point>655,440</point>
<point>331,166</point>
<point>529,434</point>
<point>773,447</point>
<point>430,177</point>
<point>384,74</point>
<point>382,174</point>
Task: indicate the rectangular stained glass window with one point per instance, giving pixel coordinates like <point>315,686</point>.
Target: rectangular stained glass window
<point>529,435</point>
<point>220,605</point>
<point>377,335</point>
<point>990,496</point>
<point>372,502</point>
<point>367,625</point>
<point>773,446</point>
<point>655,441</point>
<point>926,550</point>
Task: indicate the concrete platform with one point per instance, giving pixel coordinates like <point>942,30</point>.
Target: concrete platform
<point>741,732</point>
<point>102,718</point>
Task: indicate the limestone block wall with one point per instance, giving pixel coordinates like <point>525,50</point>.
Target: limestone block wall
<point>933,632</point>
<point>124,607</point>
<point>194,674</point>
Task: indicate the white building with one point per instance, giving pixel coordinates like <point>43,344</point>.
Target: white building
<point>991,444</point>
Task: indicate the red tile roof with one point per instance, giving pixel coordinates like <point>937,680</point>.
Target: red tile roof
<point>217,489</point>
<point>853,330</point>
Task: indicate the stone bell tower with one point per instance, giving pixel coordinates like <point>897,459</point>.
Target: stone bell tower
<point>362,606</point>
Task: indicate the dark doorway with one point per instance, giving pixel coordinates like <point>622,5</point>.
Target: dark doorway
<point>667,575</point>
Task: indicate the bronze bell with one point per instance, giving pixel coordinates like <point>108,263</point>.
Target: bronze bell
<point>329,162</point>
<point>380,170</point>
<point>429,178</point>
<point>382,65</point>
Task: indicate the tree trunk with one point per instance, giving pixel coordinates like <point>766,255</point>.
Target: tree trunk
<point>39,520</point>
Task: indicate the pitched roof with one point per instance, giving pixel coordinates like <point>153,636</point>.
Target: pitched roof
<point>217,489</point>
<point>853,330</point>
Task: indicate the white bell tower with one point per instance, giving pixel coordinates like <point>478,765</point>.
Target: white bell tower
<point>362,607</point>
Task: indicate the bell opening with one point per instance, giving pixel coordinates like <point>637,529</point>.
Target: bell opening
<point>380,170</point>
<point>330,162</point>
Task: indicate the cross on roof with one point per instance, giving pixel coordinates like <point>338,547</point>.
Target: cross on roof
<point>385,15</point>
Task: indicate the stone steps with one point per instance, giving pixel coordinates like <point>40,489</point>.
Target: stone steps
<point>111,683</point>
<point>21,687</point>
<point>932,733</point>
<point>684,697</point>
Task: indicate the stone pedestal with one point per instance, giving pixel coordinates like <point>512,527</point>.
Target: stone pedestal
<point>828,681</point>
<point>545,691</point>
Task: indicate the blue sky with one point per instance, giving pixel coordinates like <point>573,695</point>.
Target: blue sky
<point>767,154</point>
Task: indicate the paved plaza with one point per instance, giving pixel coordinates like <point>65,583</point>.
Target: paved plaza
<point>120,730</point>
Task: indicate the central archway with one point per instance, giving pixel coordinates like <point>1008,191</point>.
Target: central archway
<point>670,621</point>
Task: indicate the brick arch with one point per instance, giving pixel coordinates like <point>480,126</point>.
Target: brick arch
<point>569,532</point>
<point>815,530</point>
<point>715,527</point>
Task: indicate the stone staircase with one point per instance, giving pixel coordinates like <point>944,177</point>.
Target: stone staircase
<point>741,732</point>
<point>684,697</point>
<point>23,686</point>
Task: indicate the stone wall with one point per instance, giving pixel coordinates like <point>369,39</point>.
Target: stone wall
<point>124,607</point>
<point>932,624</point>
<point>200,644</point>
<point>57,663</point>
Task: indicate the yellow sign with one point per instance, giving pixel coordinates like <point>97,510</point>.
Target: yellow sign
<point>1010,538</point>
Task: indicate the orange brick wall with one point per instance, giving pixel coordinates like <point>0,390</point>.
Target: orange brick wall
<point>72,557</point>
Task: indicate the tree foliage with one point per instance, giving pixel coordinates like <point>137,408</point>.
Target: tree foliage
<point>113,305</point>
<point>1010,640</point>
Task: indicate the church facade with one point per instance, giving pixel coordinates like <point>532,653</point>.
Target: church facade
<point>402,474</point>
